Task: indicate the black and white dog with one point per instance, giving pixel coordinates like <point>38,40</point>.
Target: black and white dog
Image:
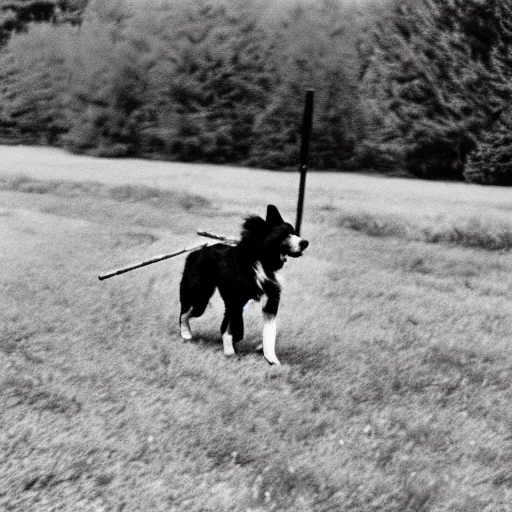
<point>241,273</point>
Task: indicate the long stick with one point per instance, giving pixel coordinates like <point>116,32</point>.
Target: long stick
<point>226,239</point>
<point>304,152</point>
<point>155,259</point>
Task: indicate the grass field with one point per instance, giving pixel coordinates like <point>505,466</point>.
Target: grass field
<point>394,333</point>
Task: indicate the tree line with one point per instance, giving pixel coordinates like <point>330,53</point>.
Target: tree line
<point>406,86</point>
<point>436,78</point>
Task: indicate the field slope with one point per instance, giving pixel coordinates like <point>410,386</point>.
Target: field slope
<point>395,333</point>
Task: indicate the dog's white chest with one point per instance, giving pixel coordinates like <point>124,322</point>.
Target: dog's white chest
<point>261,276</point>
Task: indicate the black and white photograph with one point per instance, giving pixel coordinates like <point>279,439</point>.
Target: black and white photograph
<point>255,255</point>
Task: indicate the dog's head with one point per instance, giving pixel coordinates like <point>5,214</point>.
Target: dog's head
<point>276,238</point>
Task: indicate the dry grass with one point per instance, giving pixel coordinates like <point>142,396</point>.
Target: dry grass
<point>466,232</point>
<point>396,388</point>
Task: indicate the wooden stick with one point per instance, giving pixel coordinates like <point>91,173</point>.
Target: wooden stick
<point>226,239</point>
<point>155,259</point>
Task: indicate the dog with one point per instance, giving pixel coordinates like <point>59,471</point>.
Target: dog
<point>241,273</point>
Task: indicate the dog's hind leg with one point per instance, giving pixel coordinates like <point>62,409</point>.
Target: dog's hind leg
<point>199,304</point>
<point>195,292</point>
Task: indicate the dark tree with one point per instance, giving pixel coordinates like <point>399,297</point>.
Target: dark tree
<point>436,74</point>
<point>196,80</point>
<point>491,162</point>
<point>321,61</point>
<point>16,15</point>
<point>222,83</point>
<point>30,113</point>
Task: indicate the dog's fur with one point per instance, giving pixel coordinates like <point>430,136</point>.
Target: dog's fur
<point>241,273</point>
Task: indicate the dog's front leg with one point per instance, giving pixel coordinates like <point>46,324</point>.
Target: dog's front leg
<point>269,338</point>
<point>186,333</point>
<point>270,327</point>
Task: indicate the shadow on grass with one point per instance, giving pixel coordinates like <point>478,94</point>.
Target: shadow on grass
<point>305,359</point>
<point>212,340</point>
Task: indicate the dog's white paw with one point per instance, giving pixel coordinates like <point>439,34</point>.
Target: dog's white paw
<point>227,342</point>
<point>186,333</point>
<point>273,361</point>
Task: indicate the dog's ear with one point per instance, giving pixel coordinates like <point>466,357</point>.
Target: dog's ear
<point>273,216</point>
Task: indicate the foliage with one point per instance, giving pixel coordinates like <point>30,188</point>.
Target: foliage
<point>435,74</point>
<point>404,86</point>
<point>203,81</point>
<point>491,162</point>
<point>104,89</point>
<point>206,90</point>
<point>16,15</point>
<point>320,61</point>
<point>33,78</point>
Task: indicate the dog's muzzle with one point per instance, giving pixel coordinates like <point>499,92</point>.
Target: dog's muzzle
<point>297,252</point>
